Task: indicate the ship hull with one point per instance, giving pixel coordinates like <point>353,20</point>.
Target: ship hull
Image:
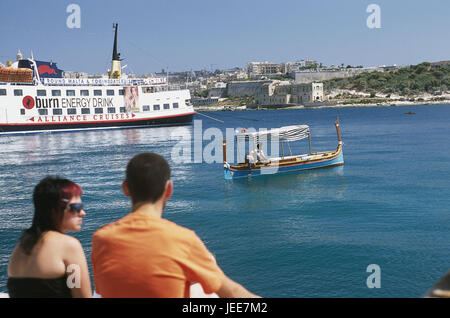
<point>12,129</point>
<point>50,108</point>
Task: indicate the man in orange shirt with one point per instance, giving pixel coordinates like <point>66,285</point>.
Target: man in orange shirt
<point>144,255</point>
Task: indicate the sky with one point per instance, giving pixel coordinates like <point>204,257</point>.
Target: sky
<point>184,35</point>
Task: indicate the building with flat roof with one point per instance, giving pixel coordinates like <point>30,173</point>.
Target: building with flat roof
<point>290,67</point>
<point>255,69</point>
<point>284,94</point>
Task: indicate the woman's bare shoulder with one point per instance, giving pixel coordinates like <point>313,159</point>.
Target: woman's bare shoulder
<point>62,240</point>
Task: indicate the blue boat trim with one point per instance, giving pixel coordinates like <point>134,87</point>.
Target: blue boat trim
<point>337,160</point>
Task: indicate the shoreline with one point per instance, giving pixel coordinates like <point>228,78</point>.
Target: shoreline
<point>394,103</point>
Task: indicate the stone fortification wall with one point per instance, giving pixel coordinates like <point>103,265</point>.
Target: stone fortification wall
<point>217,92</point>
<point>309,77</point>
<point>239,89</point>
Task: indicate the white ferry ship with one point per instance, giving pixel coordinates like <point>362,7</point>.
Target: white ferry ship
<point>36,98</point>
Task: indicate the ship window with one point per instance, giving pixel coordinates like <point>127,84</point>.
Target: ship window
<point>111,110</point>
<point>166,106</point>
<point>18,92</point>
<point>85,111</point>
<point>122,109</point>
<point>97,92</point>
<point>2,92</point>
<point>70,92</point>
<point>57,112</point>
<point>156,107</point>
<point>120,91</point>
<point>41,92</point>
<point>22,111</point>
<point>175,105</point>
<point>99,110</point>
<point>110,92</point>
<point>84,92</point>
<point>56,92</point>
<point>146,108</point>
<point>43,112</point>
<point>71,111</point>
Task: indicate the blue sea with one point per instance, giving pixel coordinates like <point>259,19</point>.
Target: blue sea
<point>307,234</point>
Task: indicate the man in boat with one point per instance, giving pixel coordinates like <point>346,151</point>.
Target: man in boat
<point>260,156</point>
<point>145,255</point>
<point>251,159</point>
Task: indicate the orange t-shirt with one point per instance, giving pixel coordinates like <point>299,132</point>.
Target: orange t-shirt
<point>142,255</point>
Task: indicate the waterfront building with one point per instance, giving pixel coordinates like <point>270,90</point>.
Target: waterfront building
<point>235,74</point>
<point>257,69</point>
<point>290,67</point>
<point>220,85</point>
<point>285,94</point>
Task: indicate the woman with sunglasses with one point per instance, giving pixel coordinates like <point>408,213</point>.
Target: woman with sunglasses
<point>46,262</point>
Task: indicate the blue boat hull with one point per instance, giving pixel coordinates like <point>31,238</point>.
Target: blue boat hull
<point>337,160</point>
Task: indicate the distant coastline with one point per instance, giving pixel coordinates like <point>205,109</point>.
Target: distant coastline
<point>213,108</point>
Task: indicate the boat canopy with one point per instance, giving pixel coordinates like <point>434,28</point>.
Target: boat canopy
<point>287,133</point>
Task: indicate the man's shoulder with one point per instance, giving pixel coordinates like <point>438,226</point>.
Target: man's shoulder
<point>176,228</point>
<point>102,231</point>
<point>107,229</point>
<point>138,222</point>
<point>174,232</point>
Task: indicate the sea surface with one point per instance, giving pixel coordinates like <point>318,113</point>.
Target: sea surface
<point>307,234</point>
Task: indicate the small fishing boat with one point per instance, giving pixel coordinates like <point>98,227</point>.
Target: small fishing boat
<point>265,166</point>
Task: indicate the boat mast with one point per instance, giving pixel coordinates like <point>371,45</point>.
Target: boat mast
<point>336,123</point>
<point>224,150</point>
<point>309,140</point>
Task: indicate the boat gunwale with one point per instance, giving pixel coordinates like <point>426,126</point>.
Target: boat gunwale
<point>244,167</point>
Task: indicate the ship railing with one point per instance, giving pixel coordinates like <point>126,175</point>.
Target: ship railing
<point>17,83</point>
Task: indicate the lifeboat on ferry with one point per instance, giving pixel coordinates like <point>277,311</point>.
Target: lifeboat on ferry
<point>18,75</point>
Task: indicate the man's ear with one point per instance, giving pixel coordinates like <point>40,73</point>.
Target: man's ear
<point>125,189</point>
<point>169,189</point>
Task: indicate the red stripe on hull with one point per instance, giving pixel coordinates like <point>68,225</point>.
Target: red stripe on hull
<point>95,121</point>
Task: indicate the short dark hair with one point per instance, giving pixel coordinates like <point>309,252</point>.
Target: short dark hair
<point>146,177</point>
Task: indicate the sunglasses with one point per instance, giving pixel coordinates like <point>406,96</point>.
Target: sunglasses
<point>74,207</point>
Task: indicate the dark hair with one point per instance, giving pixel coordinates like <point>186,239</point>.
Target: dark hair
<point>49,205</point>
<point>146,177</point>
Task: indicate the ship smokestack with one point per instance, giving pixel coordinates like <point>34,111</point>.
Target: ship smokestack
<point>115,67</point>
<point>115,56</point>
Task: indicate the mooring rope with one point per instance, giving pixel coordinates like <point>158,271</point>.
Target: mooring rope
<point>220,121</point>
